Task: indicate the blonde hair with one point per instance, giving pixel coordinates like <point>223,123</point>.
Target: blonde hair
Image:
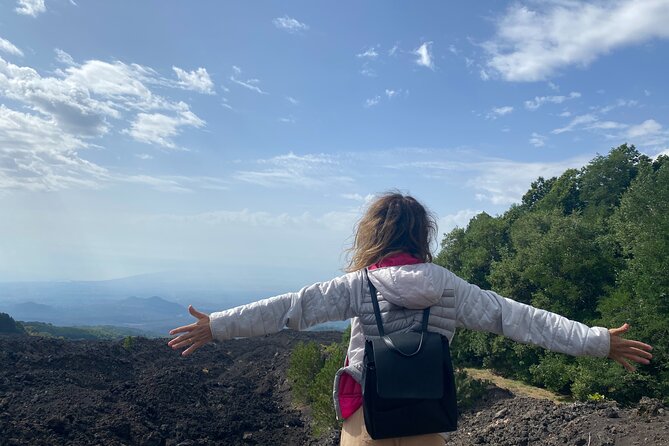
<point>393,223</point>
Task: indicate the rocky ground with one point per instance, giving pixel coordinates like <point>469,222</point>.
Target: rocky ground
<point>55,392</point>
<point>505,420</point>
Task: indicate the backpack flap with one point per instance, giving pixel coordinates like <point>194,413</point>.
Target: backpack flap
<point>405,375</point>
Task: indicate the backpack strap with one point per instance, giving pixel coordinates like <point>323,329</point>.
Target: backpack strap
<point>379,323</point>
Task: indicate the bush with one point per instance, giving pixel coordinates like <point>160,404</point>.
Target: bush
<point>469,390</point>
<point>612,381</point>
<point>311,373</point>
<point>9,325</point>
<point>320,391</point>
<point>128,342</point>
<point>555,372</point>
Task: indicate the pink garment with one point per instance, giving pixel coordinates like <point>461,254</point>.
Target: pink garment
<point>350,390</point>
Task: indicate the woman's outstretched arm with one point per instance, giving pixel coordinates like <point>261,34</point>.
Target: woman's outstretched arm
<point>314,304</point>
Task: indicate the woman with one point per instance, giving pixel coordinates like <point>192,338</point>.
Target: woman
<point>392,242</point>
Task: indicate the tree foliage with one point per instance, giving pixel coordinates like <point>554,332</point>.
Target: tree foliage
<point>592,245</point>
<point>9,326</point>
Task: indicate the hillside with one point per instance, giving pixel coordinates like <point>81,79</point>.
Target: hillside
<point>57,392</point>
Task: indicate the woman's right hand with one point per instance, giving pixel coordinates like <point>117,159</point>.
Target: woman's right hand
<point>194,335</point>
<point>624,350</point>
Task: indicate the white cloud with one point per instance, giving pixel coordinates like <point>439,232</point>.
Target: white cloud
<point>366,70</point>
<point>537,140</point>
<point>605,125</point>
<point>647,128</point>
<point>157,128</point>
<point>369,53</point>
<point>197,80</point>
<point>357,197</point>
<point>576,123</point>
<point>371,102</point>
<point>30,7</point>
<point>292,100</point>
<point>424,53</point>
<point>251,84</point>
<point>393,50</point>
<point>531,45</point>
<point>458,220</point>
<point>499,111</point>
<point>499,181</point>
<point>9,48</point>
<point>538,101</point>
<point>336,220</point>
<point>619,103</point>
<point>290,24</point>
<point>288,120</point>
<point>35,154</point>
<point>311,170</point>
<point>504,182</point>
<point>391,93</point>
<point>160,184</point>
<point>66,113</point>
<point>64,58</point>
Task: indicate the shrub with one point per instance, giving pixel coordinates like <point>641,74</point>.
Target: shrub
<point>311,374</point>
<point>305,362</point>
<point>469,390</point>
<point>128,342</point>
<point>554,372</point>
<point>9,325</point>
<point>320,391</point>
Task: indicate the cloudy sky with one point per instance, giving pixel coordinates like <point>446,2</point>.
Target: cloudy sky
<point>142,136</point>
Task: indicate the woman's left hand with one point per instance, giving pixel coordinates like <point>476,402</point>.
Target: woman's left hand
<point>625,350</point>
<point>194,335</point>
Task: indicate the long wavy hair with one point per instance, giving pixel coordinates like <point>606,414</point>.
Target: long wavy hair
<point>394,223</point>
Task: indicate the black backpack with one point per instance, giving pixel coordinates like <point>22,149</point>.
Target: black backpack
<point>408,384</point>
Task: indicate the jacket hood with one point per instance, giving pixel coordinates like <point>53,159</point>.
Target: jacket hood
<point>410,286</point>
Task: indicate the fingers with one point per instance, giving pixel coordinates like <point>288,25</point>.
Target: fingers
<point>622,329</point>
<point>184,328</point>
<point>193,347</point>
<point>197,314</point>
<point>636,358</point>
<point>639,352</point>
<point>180,343</point>
<point>636,345</point>
<point>179,340</point>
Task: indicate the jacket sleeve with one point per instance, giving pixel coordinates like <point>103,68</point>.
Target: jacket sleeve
<point>483,310</point>
<point>320,302</point>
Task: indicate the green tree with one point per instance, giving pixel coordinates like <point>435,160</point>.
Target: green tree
<point>9,325</point>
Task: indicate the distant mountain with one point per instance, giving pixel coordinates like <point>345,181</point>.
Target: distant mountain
<point>154,314</point>
<point>212,288</point>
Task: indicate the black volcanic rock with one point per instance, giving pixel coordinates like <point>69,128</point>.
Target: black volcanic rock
<point>56,392</point>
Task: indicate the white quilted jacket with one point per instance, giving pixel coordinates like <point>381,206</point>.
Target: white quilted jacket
<point>403,291</point>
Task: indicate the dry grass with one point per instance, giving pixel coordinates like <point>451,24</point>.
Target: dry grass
<point>516,387</point>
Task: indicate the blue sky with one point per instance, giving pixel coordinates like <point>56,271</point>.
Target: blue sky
<point>140,136</point>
